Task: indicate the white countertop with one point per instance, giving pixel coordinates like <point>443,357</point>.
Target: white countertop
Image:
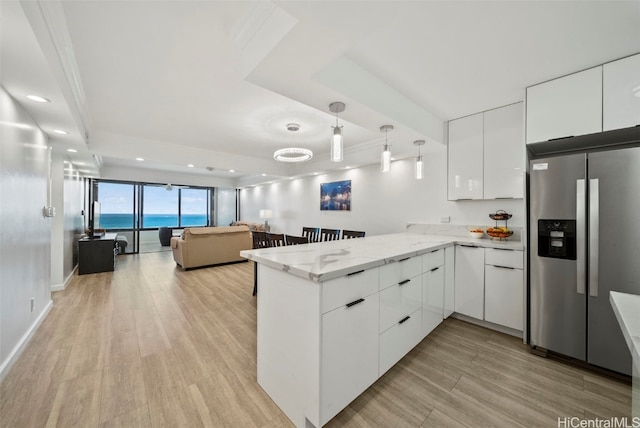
<point>323,261</point>
<point>627,310</point>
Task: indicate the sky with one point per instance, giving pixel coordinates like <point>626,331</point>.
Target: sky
<point>116,198</point>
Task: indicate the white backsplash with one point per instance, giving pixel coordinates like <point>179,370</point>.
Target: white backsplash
<point>457,229</point>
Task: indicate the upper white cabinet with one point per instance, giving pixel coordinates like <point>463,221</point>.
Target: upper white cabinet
<point>621,93</point>
<point>504,157</point>
<point>486,155</point>
<point>565,107</point>
<point>465,157</point>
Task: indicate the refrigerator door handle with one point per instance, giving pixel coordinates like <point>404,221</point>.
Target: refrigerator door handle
<point>594,229</point>
<point>581,206</point>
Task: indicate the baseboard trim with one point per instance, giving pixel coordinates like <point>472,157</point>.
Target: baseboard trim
<point>22,343</point>
<point>489,325</point>
<point>63,286</point>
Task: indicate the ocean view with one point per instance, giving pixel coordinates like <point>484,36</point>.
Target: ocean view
<point>125,221</point>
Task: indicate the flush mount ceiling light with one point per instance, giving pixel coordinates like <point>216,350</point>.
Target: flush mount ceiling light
<point>60,131</point>
<point>292,154</point>
<point>140,159</point>
<point>72,150</point>
<point>385,159</point>
<point>419,162</point>
<point>336,138</point>
<point>38,99</point>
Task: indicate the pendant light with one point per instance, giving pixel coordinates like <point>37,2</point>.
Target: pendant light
<point>293,154</point>
<point>385,159</point>
<point>336,138</point>
<point>419,162</point>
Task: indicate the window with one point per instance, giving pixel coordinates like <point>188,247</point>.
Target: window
<point>193,207</point>
<point>159,206</point>
<point>116,203</point>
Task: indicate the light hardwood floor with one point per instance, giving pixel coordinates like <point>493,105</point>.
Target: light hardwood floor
<point>151,345</point>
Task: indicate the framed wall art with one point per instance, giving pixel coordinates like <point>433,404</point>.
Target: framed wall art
<point>335,196</point>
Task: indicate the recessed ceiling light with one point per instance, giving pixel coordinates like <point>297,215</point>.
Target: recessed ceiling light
<point>79,163</point>
<point>316,173</point>
<point>72,150</point>
<point>232,170</point>
<point>140,159</point>
<point>38,99</point>
<point>190,165</point>
<point>60,131</point>
<point>264,175</point>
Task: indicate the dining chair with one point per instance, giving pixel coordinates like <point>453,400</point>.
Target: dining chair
<point>276,239</point>
<point>311,233</point>
<point>296,240</point>
<point>329,234</point>
<point>260,240</point>
<point>348,234</point>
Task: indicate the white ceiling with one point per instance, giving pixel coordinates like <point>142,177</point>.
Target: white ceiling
<point>213,83</point>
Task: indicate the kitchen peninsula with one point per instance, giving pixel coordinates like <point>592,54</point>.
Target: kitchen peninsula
<point>333,317</point>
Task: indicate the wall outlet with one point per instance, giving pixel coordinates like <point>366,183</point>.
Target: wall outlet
<point>33,303</point>
<point>445,219</point>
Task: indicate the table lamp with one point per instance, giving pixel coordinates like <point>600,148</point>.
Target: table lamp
<point>266,215</point>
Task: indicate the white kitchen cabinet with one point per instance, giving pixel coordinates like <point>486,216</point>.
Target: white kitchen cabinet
<point>400,300</point>
<point>432,299</point>
<point>469,281</point>
<point>401,270</point>
<point>503,301</point>
<point>568,106</point>
<point>504,152</point>
<point>465,176</point>
<point>504,287</point>
<point>449,281</point>
<point>349,354</point>
<point>621,93</point>
<point>398,340</point>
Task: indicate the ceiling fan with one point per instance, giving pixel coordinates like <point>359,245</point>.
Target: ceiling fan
<point>169,187</point>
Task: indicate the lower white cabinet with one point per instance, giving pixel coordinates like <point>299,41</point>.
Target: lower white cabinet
<point>432,299</point>
<point>504,288</point>
<point>399,339</point>
<point>469,281</point>
<point>503,296</point>
<point>449,281</point>
<point>349,353</point>
<point>400,300</point>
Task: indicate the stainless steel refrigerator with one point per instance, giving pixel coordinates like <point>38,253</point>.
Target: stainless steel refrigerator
<point>584,242</point>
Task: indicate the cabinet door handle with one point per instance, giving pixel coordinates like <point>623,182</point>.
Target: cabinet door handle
<point>404,282</point>
<point>355,302</point>
<point>356,272</point>
<point>560,138</point>
<point>468,246</point>
<point>503,267</point>
<point>405,259</point>
<point>434,269</point>
<point>404,319</point>
<point>501,249</point>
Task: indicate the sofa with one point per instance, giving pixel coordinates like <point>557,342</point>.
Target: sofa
<point>259,227</point>
<point>205,246</point>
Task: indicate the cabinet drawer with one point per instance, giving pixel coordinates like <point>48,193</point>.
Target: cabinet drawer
<point>398,340</point>
<point>504,301</point>
<point>396,272</point>
<point>506,258</point>
<point>350,346</point>
<point>433,259</point>
<point>398,301</point>
<point>340,291</point>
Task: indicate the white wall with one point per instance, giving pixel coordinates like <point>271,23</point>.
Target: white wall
<point>67,190</point>
<point>380,203</point>
<point>25,234</point>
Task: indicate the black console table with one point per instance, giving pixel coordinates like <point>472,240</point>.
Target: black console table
<point>97,254</point>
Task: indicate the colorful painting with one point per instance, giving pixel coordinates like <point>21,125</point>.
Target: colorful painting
<point>335,196</point>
